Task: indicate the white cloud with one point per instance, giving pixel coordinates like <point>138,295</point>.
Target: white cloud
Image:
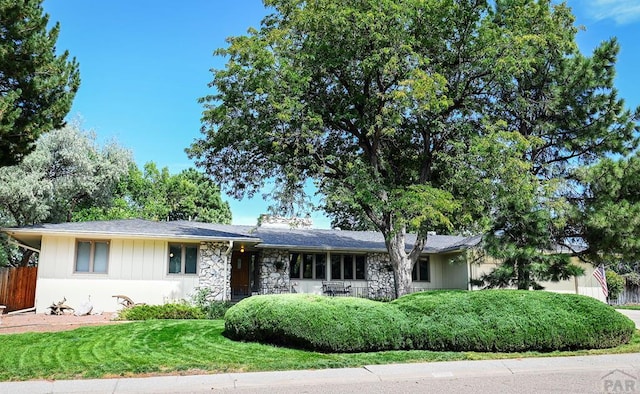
<point>621,11</point>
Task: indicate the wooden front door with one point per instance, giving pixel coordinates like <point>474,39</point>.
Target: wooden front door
<point>240,266</point>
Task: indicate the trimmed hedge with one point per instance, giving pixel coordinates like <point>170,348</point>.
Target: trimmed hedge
<point>491,320</point>
<point>512,321</point>
<point>166,311</point>
<point>328,324</point>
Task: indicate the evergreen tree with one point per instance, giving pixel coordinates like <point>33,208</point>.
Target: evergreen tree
<point>37,85</point>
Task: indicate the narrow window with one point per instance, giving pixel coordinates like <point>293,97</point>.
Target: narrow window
<point>321,266</point>
<point>348,267</point>
<point>294,264</point>
<point>421,271</point>
<point>307,270</point>
<point>360,267</point>
<point>336,266</point>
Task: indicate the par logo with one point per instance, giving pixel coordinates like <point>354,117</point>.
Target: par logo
<point>618,381</point>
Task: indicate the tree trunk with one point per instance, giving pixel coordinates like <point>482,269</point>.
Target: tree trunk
<point>402,262</point>
<point>26,258</point>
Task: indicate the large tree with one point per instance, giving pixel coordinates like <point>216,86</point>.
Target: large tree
<point>566,106</point>
<point>381,103</point>
<point>66,170</point>
<point>37,85</point>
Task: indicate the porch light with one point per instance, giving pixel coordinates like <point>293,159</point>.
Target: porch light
<point>242,249</point>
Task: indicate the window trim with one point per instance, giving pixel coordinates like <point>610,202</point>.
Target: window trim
<point>313,265</point>
<point>92,256</point>
<point>354,264</point>
<point>183,261</point>
<point>418,272</point>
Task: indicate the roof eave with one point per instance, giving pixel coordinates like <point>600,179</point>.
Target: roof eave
<point>114,234</point>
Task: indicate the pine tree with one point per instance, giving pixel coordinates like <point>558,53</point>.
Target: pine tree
<point>37,86</point>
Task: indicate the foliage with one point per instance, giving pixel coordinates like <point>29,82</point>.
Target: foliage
<point>166,311</point>
<point>512,320</point>
<point>37,84</point>
<point>383,104</point>
<point>610,215</point>
<point>328,324</point>
<point>212,309</point>
<point>66,170</point>
<point>493,320</point>
<point>184,346</point>
<point>615,284</point>
<point>155,194</point>
<point>565,106</point>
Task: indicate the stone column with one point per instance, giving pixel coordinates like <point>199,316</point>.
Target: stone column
<point>215,270</point>
<point>380,276</point>
<point>274,271</point>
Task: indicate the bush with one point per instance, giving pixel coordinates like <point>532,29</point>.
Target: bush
<point>615,284</point>
<point>211,308</point>
<point>512,320</point>
<point>166,311</point>
<point>491,320</point>
<point>330,324</point>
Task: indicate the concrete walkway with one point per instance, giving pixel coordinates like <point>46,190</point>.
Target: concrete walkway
<point>632,314</point>
<point>286,380</point>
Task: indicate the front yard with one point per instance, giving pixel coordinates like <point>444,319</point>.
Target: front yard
<point>193,346</point>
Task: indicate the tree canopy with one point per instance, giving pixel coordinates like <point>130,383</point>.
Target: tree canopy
<point>37,85</point>
<point>67,170</point>
<point>396,109</point>
<point>155,194</point>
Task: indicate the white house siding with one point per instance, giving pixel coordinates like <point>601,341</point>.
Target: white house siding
<point>585,284</point>
<point>137,268</point>
<point>444,274</point>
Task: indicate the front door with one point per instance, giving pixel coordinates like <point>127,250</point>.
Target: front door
<point>240,266</point>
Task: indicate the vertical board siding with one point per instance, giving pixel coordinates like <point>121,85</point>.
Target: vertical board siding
<point>18,287</point>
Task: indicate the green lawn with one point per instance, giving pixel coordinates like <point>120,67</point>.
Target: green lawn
<point>191,346</point>
<point>632,307</point>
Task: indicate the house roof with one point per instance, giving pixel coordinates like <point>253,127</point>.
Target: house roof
<point>261,237</point>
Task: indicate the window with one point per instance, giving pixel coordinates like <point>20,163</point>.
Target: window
<point>421,271</point>
<point>347,266</point>
<point>92,256</point>
<point>307,266</point>
<point>183,259</point>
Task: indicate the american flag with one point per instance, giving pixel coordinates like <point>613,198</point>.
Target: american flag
<point>601,277</point>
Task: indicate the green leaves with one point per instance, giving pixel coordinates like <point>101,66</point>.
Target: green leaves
<point>465,116</point>
<point>38,85</point>
<point>155,194</point>
<point>422,208</point>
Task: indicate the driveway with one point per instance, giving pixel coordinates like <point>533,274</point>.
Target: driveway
<point>632,314</point>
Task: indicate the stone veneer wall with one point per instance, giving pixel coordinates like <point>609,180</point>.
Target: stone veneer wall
<point>272,279</point>
<point>380,276</point>
<point>212,270</point>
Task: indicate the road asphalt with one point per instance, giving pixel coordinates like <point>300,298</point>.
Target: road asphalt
<point>624,367</point>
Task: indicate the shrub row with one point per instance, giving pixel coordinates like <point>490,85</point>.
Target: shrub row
<point>166,311</point>
<point>493,320</point>
<point>511,320</point>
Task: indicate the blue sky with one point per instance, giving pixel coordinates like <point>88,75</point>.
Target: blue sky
<point>145,63</point>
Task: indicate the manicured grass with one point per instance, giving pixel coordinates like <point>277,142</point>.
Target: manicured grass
<point>632,307</point>
<point>193,346</point>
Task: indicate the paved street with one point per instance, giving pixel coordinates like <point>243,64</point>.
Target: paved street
<point>584,374</point>
<point>632,314</point>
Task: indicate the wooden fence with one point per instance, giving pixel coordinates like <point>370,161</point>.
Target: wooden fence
<point>18,287</point>
<point>627,296</point>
